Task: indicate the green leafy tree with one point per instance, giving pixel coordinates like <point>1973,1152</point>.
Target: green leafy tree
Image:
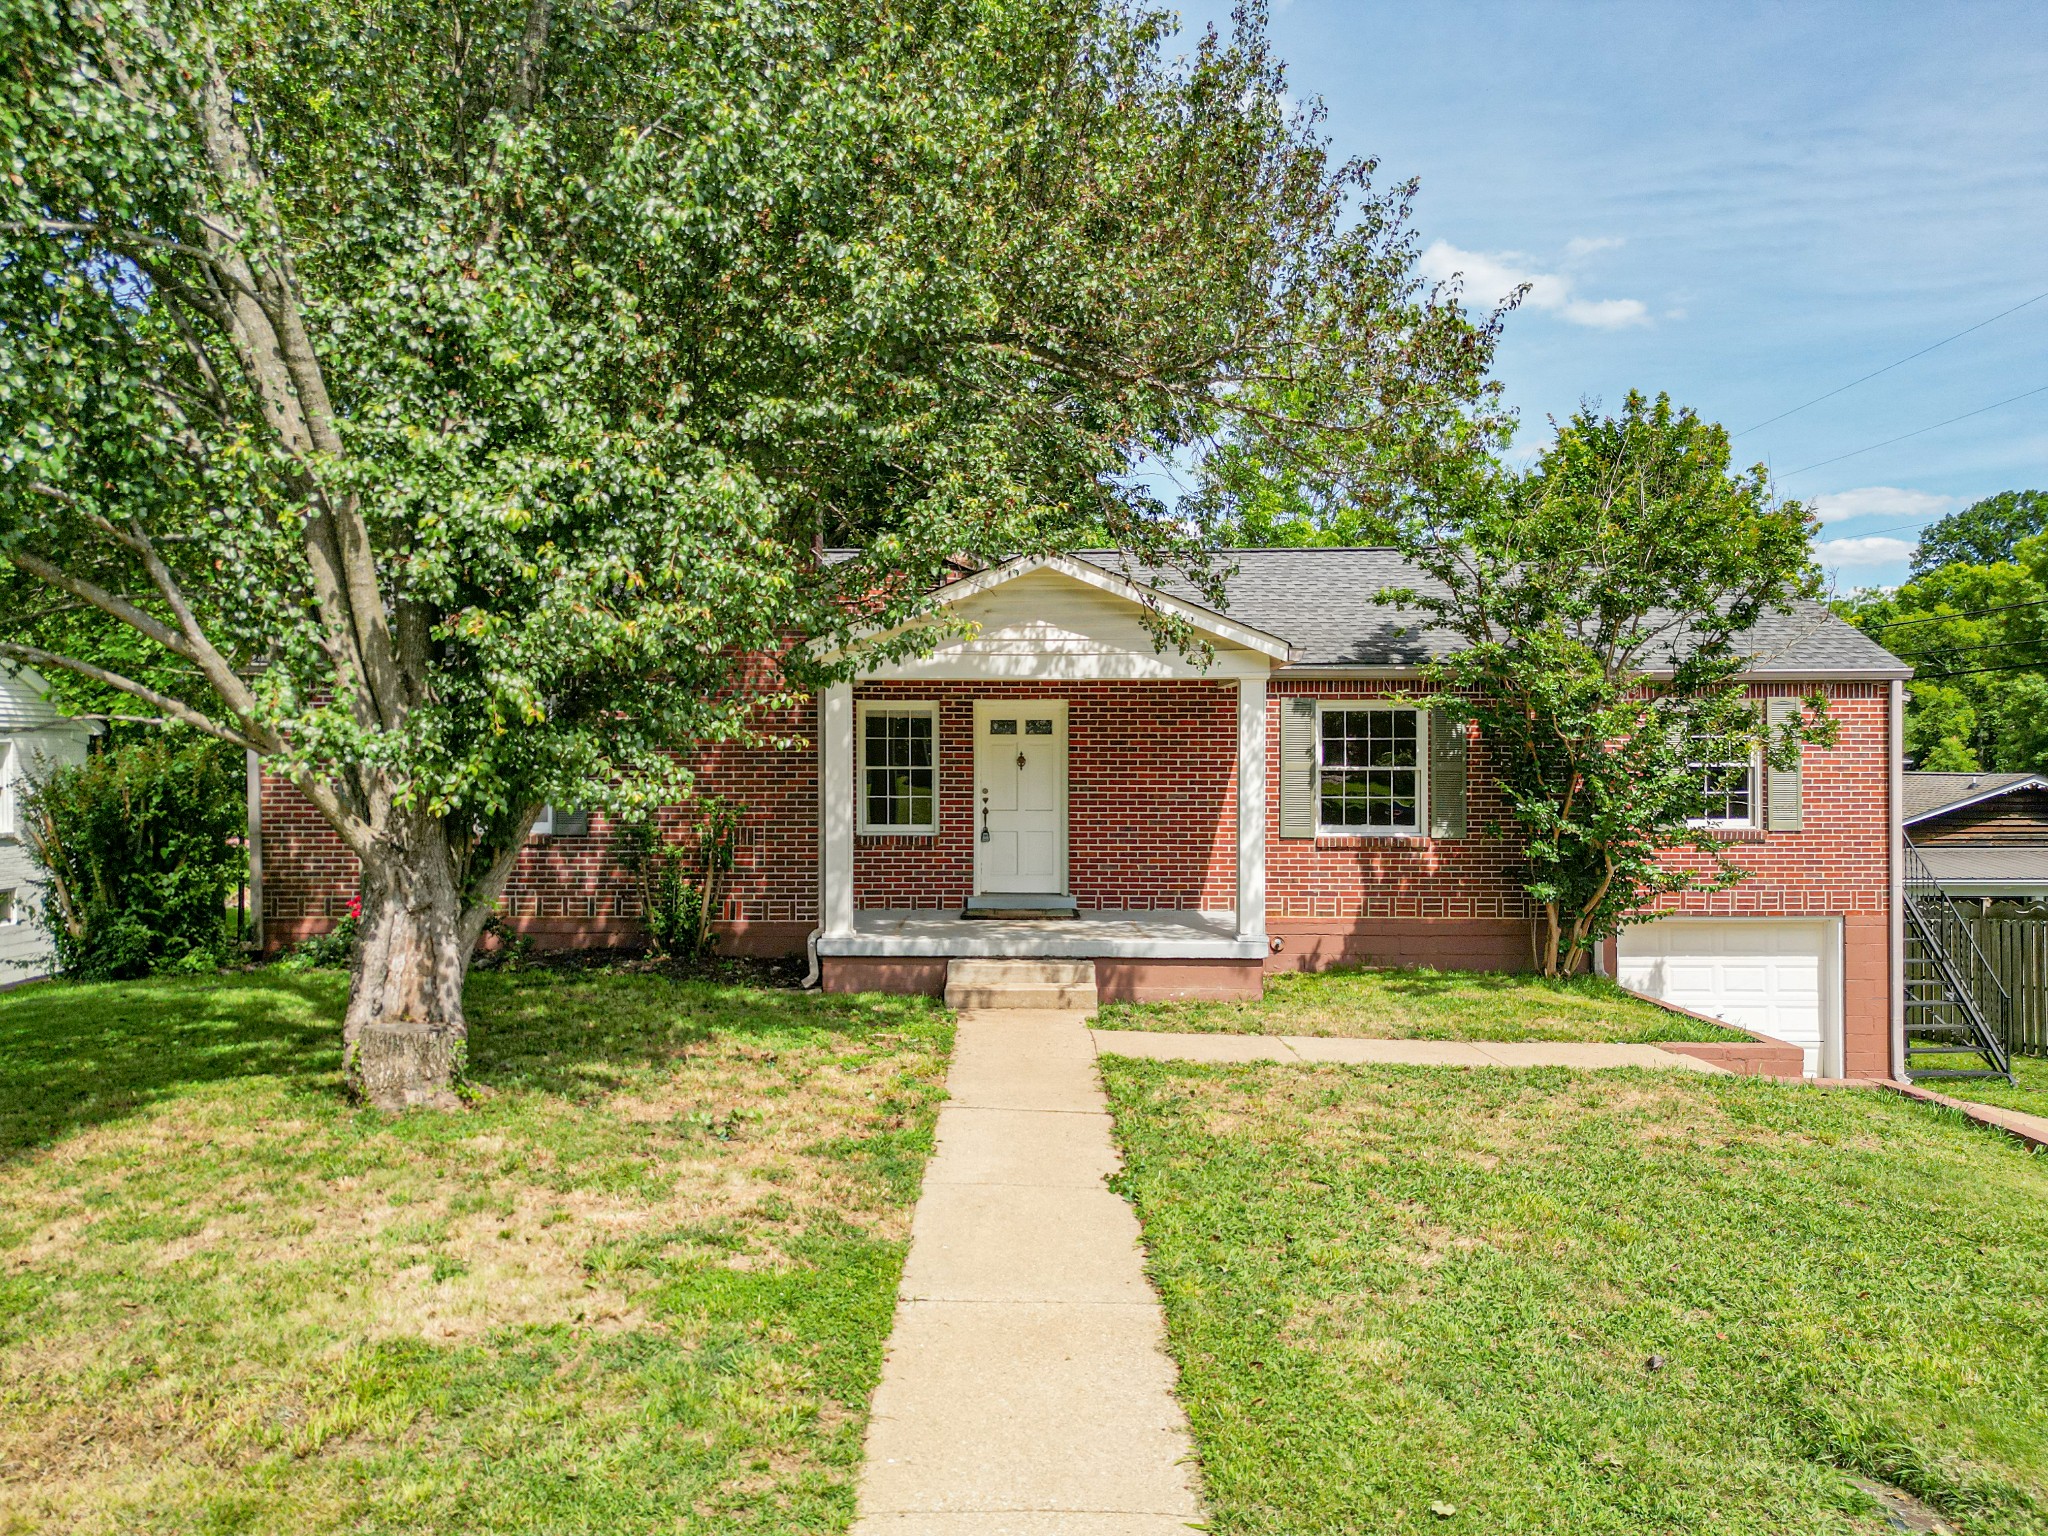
<point>1599,601</point>
<point>1976,635</point>
<point>452,398</point>
<point>1986,532</point>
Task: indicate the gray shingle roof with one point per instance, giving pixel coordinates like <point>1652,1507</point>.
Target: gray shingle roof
<point>1322,602</point>
<point>1988,864</point>
<point>1923,794</point>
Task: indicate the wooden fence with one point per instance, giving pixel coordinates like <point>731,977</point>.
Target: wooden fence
<point>2014,941</point>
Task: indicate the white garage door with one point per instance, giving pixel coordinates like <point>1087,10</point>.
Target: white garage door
<point>1774,977</point>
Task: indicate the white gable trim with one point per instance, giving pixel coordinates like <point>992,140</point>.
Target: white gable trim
<point>1204,621</point>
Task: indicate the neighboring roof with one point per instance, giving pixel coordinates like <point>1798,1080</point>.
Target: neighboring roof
<point>23,702</point>
<point>2013,864</point>
<point>1320,600</point>
<point>1922,795</point>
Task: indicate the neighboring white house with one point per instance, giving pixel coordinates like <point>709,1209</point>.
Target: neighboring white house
<point>33,738</point>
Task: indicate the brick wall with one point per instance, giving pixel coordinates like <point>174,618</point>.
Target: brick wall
<point>572,890</point>
<point>1152,794</point>
<point>1151,798</point>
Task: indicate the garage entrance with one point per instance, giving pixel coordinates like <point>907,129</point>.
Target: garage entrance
<point>1780,977</point>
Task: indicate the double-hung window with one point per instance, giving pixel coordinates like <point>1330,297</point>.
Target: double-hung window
<point>1372,775</point>
<point>1728,780</point>
<point>899,768</point>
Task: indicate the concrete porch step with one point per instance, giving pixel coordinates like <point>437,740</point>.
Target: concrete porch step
<point>987,983</point>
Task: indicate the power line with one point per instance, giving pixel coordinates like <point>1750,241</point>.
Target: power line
<point>1918,432</point>
<point>1947,653</point>
<point>1888,367</point>
<point>1967,613</point>
<point>1936,677</point>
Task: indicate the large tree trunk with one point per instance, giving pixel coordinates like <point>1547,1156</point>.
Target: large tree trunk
<point>404,1034</point>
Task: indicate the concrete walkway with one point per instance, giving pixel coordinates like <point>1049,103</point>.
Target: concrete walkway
<point>1410,1053</point>
<point>1026,1390</point>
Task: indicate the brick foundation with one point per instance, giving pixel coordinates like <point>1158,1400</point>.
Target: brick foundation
<point>1443,943</point>
<point>1159,981</point>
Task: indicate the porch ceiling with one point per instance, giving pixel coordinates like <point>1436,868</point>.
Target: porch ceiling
<point>1091,936</point>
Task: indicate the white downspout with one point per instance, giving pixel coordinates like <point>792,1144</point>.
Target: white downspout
<point>1895,737</point>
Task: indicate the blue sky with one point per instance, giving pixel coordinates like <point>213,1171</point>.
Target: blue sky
<point>1743,205</point>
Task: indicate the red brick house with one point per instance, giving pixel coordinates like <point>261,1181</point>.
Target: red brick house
<point>1274,805</point>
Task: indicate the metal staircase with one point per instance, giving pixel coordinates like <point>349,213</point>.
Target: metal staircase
<point>1956,1006</point>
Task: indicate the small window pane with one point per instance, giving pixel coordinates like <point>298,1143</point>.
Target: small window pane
<point>1371,769</point>
<point>1037,727</point>
<point>898,780</point>
<point>1002,727</point>
<point>1727,792</point>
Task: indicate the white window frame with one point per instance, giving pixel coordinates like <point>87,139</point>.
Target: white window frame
<point>1353,706</point>
<point>544,823</point>
<point>10,790</point>
<point>1699,767</point>
<point>929,708</point>
<point>10,907</point>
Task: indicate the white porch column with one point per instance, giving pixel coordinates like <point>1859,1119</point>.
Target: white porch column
<point>835,767</point>
<point>1251,808</point>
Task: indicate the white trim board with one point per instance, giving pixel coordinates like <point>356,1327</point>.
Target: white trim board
<point>1052,635</point>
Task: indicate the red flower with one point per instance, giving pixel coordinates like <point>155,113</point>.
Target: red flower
<point>355,907</point>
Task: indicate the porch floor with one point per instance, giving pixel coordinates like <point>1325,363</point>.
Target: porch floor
<point>1092,935</point>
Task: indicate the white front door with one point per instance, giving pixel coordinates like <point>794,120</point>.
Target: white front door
<point>1020,796</point>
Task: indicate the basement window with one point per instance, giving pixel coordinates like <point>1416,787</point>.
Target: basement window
<point>899,768</point>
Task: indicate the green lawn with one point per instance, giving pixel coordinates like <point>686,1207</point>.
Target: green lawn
<point>1419,1299</point>
<point>2028,1091</point>
<point>642,1285</point>
<point>1400,1004</point>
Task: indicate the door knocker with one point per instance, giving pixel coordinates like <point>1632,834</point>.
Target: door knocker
<point>1020,760</point>
<point>984,813</point>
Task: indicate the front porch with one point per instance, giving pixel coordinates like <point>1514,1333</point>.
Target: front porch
<point>1091,936</point>
<point>1136,956</point>
<point>1054,757</point>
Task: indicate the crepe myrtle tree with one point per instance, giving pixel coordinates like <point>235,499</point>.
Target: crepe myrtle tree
<point>450,400</point>
<point>1599,604</point>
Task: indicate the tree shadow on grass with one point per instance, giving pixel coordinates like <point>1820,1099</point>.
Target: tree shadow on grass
<point>584,1036</point>
<point>73,1056</point>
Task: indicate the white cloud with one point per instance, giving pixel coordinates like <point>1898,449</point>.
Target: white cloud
<point>1585,245</point>
<point>1869,551</point>
<point>1489,279</point>
<point>1880,500</point>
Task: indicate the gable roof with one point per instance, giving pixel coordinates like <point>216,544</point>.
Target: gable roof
<point>1212,625</point>
<point>1320,602</point>
<point>1924,795</point>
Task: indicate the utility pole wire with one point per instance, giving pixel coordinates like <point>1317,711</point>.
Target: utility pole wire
<point>1888,367</point>
<point>1822,464</point>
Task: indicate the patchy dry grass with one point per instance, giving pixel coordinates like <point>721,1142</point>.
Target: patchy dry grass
<point>1418,1299</point>
<point>642,1285</point>
<point>1419,1004</point>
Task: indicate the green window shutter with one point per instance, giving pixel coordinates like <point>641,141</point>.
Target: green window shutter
<point>1783,792</point>
<point>1297,766</point>
<point>1446,775</point>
